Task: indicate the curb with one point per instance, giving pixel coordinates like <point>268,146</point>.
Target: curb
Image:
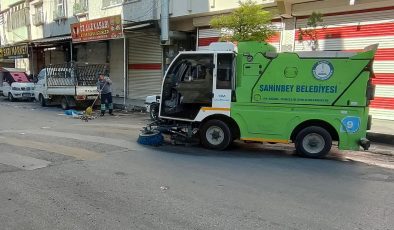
<point>381,138</point>
<point>132,108</point>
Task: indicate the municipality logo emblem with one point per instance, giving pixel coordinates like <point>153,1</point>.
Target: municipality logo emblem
<point>323,70</point>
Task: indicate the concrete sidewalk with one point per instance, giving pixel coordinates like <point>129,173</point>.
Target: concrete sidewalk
<point>129,104</point>
<point>382,131</point>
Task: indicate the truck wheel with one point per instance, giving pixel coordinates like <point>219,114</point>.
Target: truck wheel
<point>313,142</point>
<point>42,100</point>
<point>154,111</point>
<point>215,134</point>
<point>64,104</point>
<point>10,97</point>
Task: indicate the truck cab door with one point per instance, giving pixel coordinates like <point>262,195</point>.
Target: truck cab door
<point>222,81</point>
<point>40,85</point>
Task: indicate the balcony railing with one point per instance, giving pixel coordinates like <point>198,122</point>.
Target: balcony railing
<point>38,18</point>
<point>80,7</point>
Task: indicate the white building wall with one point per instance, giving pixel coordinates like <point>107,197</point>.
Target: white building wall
<point>179,8</point>
<point>96,10</point>
<point>36,30</point>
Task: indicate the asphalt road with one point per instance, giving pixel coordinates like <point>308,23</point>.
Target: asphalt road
<point>62,173</point>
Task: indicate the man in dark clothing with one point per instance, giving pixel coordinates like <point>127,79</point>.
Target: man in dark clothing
<point>104,87</point>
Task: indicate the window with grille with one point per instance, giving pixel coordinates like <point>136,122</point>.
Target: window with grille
<point>38,16</point>
<point>59,9</point>
<point>18,17</point>
<point>80,6</point>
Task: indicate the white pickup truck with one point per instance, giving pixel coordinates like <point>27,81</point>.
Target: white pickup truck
<point>67,85</point>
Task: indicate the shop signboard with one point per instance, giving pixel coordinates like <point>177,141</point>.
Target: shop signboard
<point>13,52</point>
<point>97,29</point>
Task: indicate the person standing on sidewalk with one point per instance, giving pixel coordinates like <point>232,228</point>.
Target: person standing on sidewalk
<point>104,88</point>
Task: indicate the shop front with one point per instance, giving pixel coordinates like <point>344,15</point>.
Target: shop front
<point>16,56</point>
<point>353,31</point>
<point>100,41</point>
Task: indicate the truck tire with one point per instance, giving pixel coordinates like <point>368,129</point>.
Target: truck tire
<point>313,142</point>
<point>64,103</point>
<point>42,101</point>
<point>154,111</point>
<point>10,97</point>
<point>215,134</point>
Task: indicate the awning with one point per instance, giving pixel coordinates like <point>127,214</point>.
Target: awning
<point>51,40</point>
<point>139,26</point>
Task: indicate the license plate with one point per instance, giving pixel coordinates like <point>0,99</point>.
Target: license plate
<point>26,95</point>
<point>91,97</point>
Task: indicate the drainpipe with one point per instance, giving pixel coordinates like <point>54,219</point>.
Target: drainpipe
<point>164,21</point>
<point>125,69</point>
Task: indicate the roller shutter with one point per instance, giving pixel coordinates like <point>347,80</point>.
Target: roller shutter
<point>144,65</point>
<point>353,31</point>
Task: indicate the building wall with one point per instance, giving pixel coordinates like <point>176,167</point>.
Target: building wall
<point>11,35</point>
<point>61,27</point>
<point>36,29</point>
<point>141,10</point>
<point>96,10</point>
<point>324,7</point>
<point>179,8</point>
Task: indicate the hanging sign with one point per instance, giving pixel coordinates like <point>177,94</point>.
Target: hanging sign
<point>13,52</point>
<point>97,29</point>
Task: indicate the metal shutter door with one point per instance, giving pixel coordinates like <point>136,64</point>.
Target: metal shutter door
<point>354,31</point>
<point>145,66</point>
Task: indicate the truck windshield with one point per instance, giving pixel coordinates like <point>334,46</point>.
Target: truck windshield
<point>188,85</point>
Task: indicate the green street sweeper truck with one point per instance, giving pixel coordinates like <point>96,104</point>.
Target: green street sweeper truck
<point>255,94</point>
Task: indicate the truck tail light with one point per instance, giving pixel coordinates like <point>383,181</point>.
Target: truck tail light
<point>370,90</point>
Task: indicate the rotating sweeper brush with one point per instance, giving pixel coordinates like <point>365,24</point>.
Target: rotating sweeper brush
<point>150,137</point>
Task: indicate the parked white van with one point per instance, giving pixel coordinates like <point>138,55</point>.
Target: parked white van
<point>16,85</point>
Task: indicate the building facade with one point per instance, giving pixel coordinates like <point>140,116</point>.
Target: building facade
<point>138,57</point>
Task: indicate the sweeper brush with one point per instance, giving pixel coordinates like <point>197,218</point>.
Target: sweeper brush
<point>150,137</point>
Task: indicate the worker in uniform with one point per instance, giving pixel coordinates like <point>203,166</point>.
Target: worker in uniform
<point>104,88</point>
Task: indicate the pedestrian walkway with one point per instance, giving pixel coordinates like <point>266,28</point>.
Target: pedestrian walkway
<point>129,104</point>
<point>382,126</point>
<point>382,131</point>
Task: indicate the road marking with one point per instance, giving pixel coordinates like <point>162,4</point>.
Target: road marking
<point>22,162</point>
<point>131,145</point>
<point>121,126</point>
<point>78,153</point>
<point>105,129</point>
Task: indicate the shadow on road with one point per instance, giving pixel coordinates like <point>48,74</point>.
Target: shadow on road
<point>245,150</point>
